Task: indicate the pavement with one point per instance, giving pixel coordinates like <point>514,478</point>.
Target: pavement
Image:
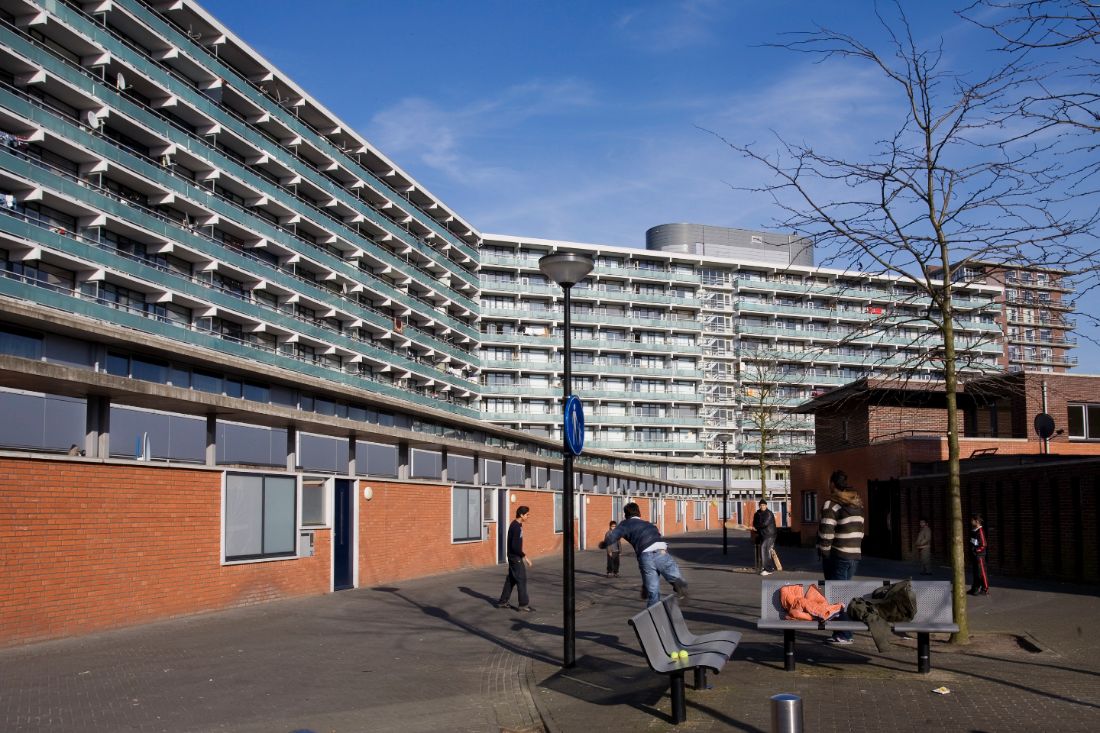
<point>433,654</point>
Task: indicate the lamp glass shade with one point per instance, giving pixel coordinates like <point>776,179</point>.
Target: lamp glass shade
<point>566,268</point>
<point>724,438</point>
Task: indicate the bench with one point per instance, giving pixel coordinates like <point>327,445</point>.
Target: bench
<point>662,632</point>
<point>933,616</point>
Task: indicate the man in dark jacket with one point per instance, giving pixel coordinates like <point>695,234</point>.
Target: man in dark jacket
<point>764,524</point>
<point>518,562</point>
<point>654,561</point>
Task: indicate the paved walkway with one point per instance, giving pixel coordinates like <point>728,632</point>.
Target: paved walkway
<point>434,655</point>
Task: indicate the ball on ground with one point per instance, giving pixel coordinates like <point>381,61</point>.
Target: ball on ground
<point>683,654</point>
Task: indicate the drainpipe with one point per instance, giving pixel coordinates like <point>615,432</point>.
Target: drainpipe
<point>1046,441</point>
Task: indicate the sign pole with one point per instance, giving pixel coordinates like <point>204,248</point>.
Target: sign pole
<point>569,617</point>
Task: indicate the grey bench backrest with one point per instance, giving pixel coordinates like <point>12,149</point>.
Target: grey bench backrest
<point>653,645</point>
<point>843,591</point>
<point>934,604</point>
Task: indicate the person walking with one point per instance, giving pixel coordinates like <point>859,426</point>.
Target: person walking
<point>654,562</point>
<point>763,521</point>
<point>923,546</point>
<point>518,562</point>
<point>980,586</point>
<point>840,537</point>
<point>614,550</point>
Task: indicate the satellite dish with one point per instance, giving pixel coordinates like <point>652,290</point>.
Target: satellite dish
<point>1044,425</point>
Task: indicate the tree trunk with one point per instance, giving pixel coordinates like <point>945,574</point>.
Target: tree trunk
<point>954,483</point>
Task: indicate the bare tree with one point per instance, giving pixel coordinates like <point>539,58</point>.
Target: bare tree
<point>948,186</point>
<point>1062,38</point>
<point>764,397</point>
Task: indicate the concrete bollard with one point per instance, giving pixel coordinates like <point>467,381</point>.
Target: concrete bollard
<point>786,713</point>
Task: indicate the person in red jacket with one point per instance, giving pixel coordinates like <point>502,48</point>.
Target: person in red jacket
<point>980,586</point>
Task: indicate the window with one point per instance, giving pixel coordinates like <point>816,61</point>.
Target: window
<point>1084,422</point>
<point>680,511</point>
<point>559,521</point>
<point>698,511</point>
<point>466,514</point>
<point>260,517</point>
<point>313,502</point>
<point>809,506</point>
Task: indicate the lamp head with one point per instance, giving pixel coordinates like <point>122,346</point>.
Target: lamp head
<point>566,268</point>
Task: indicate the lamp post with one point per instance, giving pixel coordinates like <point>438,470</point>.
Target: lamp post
<point>567,269</point>
<point>724,438</point>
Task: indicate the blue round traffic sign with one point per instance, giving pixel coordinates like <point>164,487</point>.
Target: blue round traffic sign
<point>574,425</point>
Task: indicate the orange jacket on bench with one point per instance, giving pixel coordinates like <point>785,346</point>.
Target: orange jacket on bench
<point>809,607</point>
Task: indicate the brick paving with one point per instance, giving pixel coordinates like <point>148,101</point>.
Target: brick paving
<point>434,655</point>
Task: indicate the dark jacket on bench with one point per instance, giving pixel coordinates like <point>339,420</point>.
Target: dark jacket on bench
<point>889,604</point>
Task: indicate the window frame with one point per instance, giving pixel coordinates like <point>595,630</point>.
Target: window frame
<point>809,506</point>
<point>262,556</point>
<point>467,539</point>
<point>1083,408</point>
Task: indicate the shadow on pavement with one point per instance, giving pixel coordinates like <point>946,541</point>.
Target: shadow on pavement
<point>605,682</point>
<point>444,615</point>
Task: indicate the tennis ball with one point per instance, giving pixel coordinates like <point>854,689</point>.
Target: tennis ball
<point>683,654</point>
<point>674,656</point>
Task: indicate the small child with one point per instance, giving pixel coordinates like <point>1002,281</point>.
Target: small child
<point>613,551</point>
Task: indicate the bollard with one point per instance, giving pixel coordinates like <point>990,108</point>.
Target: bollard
<point>786,713</point>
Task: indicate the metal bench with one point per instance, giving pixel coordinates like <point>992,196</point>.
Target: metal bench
<point>934,613</point>
<point>659,641</point>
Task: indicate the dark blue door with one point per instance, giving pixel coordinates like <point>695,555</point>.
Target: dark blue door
<point>343,536</point>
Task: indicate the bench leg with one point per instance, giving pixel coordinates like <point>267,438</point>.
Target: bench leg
<point>701,679</point>
<point>788,650</point>
<point>924,653</point>
<point>679,698</point>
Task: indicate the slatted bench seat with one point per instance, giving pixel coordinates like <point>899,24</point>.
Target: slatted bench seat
<point>656,628</point>
<point>934,613</point>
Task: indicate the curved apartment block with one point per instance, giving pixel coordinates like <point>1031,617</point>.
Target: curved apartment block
<point>217,300</point>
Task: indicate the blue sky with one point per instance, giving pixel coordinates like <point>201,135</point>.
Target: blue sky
<point>581,120</point>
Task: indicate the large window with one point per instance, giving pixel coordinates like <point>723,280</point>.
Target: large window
<point>261,519</point>
<point>698,510</point>
<point>1084,422</point>
<point>466,509</point>
<point>559,520</point>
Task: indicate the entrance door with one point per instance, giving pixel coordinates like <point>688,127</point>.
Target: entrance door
<point>343,535</point>
<point>883,538</point>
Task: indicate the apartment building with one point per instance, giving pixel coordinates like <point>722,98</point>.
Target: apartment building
<point>1035,317</point>
<point>708,332</point>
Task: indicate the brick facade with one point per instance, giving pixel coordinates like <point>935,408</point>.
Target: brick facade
<point>89,546</point>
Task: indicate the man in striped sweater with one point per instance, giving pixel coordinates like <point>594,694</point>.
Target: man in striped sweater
<point>839,536</point>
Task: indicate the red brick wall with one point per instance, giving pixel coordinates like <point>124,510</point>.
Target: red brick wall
<point>598,516</point>
<point>89,546</point>
<point>405,532</point>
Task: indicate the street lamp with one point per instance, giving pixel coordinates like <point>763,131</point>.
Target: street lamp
<point>567,269</point>
<point>724,438</point>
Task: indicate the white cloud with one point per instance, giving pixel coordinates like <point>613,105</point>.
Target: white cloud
<point>665,27</point>
<point>438,137</point>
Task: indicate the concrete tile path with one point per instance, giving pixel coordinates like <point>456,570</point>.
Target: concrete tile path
<point>435,655</point>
